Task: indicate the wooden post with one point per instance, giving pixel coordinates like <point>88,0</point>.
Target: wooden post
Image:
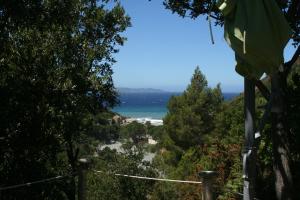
<point>249,154</point>
<point>207,178</point>
<point>82,170</point>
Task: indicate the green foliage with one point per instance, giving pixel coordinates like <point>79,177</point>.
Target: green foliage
<point>220,152</point>
<point>135,131</point>
<point>293,95</point>
<point>191,115</point>
<point>164,190</point>
<point>155,131</point>
<point>107,186</point>
<point>102,127</point>
<point>222,148</point>
<point>196,8</point>
<point>55,76</point>
<point>230,131</point>
<point>56,86</point>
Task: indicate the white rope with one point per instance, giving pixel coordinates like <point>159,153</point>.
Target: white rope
<point>34,182</point>
<point>210,29</point>
<point>150,178</point>
<point>209,22</point>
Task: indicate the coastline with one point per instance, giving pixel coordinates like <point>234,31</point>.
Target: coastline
<point>144,120</point>
<point>150,112</point>
<point>147,107</point>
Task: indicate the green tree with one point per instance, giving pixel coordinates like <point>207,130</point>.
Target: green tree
<point>135,131</point>
<point>106,185</point>
<point>191,115</point>
<point>102,127</point>
<point>55,76</point>
<point>280,127</point>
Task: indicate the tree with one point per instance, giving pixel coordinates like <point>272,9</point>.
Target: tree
<point>108,186</point>
<point>222,149</point>
<point>281,131</point>
<point>135,131</point>
<point>191,115</point>
<point>55,76</point>
<point>102,127</point>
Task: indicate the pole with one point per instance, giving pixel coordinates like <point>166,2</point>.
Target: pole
<point>82,170</point>
<point>207,178</point>
<point>249,154</point>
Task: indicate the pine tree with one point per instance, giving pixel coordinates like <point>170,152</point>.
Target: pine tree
<point>191,115</point>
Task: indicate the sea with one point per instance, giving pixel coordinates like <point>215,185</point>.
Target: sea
<point>149,105</point>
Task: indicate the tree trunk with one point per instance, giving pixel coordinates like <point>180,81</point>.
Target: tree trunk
<point>72,158</point>
<point>280,131</point>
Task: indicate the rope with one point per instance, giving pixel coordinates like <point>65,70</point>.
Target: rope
<point>35,182</point>
<point>209,22</point>
<point>150,178</point>
<point>210,29</point>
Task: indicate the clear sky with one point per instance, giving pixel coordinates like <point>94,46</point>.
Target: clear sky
<point>163,49</point>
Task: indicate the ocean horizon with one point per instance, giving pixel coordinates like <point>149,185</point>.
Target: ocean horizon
<point>149,105</point>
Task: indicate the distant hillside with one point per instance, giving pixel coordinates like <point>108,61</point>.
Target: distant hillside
<point>140,90</point>
<point>133,91</point>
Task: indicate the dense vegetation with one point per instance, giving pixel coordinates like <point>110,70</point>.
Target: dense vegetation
<point>220,147</point>
<point>56,90</point>
<point>277,95</point>
<point>217,148</point>
<point>55,77</point>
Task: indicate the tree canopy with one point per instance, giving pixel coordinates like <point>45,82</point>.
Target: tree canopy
<point>196,8</point>
<point>55,76</point>
<point>191,115</point>
<point>277,96</point>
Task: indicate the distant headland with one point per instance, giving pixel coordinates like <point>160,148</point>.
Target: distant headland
<point>140,90</point>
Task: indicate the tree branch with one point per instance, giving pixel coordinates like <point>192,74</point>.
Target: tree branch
<point>215,17</point>
<point>263,89</point>
<point>293,9</point>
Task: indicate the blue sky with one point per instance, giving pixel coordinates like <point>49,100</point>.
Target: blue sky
<point>163,50</point>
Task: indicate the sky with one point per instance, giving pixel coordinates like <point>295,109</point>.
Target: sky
<point>162,51</point>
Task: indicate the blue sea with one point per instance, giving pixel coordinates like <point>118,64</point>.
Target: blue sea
<point>148,105</point>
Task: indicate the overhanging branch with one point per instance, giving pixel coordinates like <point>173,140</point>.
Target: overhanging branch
<point>293,10</point>
<point>263,89</point>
